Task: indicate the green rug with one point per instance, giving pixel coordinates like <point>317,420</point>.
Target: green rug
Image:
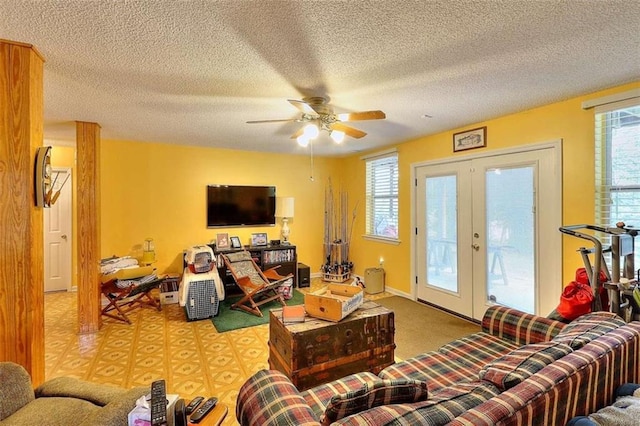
<point>233,319</point>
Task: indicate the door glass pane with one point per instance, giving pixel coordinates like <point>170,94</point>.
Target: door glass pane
<point>510,237</point>
<point>442,236</point>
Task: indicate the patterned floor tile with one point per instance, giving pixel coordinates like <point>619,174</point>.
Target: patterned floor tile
<point>192,357</point>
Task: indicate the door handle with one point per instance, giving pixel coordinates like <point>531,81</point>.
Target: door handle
<point>64,237</point>
<point>476,247</point>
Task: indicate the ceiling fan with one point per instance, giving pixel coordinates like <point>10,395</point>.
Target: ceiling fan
<point>319,115</point>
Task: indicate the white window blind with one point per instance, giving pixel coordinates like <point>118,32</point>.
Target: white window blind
<point>617,165</point>
<point>382,196</point>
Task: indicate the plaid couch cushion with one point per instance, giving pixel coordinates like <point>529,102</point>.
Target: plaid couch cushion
<point>588,327</point>
<point>435,368</point>
<point>269,398</point>
<point>477,349</point>
<point>318,397</point>
<point>374,394</point>
<point>520,364</point>
<point>441,407</point>
<point>519,327</point>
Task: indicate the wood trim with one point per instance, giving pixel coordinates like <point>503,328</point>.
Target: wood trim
<point>22,247</point>
<point>88,235</point>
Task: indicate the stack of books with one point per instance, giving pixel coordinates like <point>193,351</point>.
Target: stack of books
<point>293,314</point>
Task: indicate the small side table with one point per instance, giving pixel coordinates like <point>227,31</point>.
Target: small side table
<point>215,416</point>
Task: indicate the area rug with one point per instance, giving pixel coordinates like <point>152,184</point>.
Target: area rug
<point>232,319</point>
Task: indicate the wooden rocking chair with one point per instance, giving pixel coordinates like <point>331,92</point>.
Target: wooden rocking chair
<point>259,287</point>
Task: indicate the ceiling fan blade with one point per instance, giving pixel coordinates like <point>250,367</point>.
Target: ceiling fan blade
<point>302,106</point>
<point>299,132</point>
<point>348,130</point>
<point>362,115</point>
<point>272,121</point>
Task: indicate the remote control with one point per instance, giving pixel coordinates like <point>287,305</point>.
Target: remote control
<point>158,403</point>
<point>194,404</point>
<point>203,410</point>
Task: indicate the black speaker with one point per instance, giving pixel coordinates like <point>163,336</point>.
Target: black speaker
<point>304,275</point>
<point>180,413</point>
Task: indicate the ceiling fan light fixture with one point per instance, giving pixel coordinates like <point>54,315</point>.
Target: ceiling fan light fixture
<point>311,131</point>
<point>337,136</point>
<point>303,141</point>
<point>342,117</point>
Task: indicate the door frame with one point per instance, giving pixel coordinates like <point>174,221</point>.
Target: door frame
<point>545,303</point>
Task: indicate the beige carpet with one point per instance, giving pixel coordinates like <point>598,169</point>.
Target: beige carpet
<point>421,328</point>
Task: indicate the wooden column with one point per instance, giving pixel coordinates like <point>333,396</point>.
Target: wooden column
<point>21,228</point>
<point>88,207</point>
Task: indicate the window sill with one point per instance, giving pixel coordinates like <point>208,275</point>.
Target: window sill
<point>379,239</point>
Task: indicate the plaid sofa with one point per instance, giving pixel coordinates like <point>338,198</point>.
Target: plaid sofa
<point>521,369</point>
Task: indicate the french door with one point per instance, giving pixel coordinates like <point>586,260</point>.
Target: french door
<point>487,232</point>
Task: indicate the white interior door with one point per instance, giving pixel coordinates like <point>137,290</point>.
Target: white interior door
<point>57,235</point>
<point>487,232</point>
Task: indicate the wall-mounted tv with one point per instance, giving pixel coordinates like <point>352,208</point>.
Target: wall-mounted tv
<point>234,205</point>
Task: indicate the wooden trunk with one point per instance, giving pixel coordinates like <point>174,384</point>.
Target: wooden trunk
<point>318,351</point>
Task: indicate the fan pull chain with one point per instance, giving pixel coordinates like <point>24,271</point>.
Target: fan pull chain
<point>311,150</point>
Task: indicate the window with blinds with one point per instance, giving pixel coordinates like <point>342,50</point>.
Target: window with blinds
<point>617,165</point>
<point>382,196</point>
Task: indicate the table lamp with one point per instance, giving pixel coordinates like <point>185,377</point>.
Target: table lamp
<point>284,209</point>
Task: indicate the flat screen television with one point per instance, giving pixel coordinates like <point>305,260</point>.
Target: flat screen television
<point>234,205</point>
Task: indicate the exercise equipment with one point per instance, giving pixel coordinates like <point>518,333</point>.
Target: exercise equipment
<point>620,282</point>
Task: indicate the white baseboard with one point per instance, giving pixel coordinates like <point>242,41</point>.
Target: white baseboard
<point>398,293</point>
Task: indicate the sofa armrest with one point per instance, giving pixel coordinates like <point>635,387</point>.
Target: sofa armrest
<point>269,398</point>
<point>519,327</point>
<point>116,412</point>
<point>15,388</point>
<point>70,387</point>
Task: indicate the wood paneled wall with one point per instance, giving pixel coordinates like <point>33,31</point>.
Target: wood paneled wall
<point>88,207</point>
<point>21,227</point>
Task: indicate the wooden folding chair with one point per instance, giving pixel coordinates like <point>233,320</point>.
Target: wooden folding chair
<point>259,287</point>
<point>122,300</point>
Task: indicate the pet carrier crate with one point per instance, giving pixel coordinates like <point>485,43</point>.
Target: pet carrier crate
<point>199,295</point>
<point>199,259</point>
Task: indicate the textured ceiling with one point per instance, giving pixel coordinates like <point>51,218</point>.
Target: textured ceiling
<point>193,72</point>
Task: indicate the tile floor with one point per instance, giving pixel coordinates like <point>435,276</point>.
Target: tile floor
<point>192,357</point>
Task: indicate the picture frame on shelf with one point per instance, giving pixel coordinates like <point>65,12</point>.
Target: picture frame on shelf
<point>259,239</point>
<point>470,139</point>
<point>222,241</point>
<point>235,242</point>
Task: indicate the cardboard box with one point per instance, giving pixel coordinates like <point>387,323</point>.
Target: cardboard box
<point>333,302</point>
<point>169,297</point>
<point>169,293</point>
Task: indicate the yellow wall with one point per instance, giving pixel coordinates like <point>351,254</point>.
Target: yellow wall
<point>563,120</point>
<point>158,190</point>
<point>153,190</point>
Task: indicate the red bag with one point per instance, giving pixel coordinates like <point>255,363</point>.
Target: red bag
<point>575,300</point>
<point>582,278</point>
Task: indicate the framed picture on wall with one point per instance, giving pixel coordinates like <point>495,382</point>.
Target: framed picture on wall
<point>222,241</point>
<point>235,242</point>
<point>470,139</point>
<point>259,239</point>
